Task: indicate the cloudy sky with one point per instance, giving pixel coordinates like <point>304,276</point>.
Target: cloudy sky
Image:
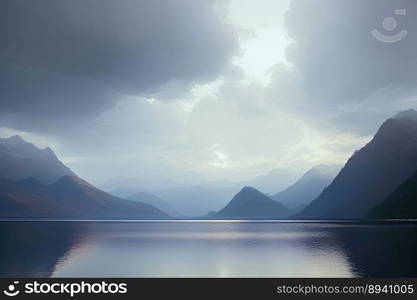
<point>201,90</point>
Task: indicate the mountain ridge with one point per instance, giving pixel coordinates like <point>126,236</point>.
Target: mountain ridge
<point>34,183</point>
<point>371,173</point>
<point>307,187</point>
<point>69,197</point>
<point>20,159</point>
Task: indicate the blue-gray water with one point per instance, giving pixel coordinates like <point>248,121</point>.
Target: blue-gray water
<point>206,249</point>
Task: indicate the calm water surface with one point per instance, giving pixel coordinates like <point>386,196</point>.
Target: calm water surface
<point>206,249</point>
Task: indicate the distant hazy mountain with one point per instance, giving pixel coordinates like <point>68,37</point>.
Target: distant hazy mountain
<point>196,200</point>
<point>308,187</point>
<point>275,180</point>
<point>19,160</point>
<point>401,204</point>
<point>69,197</point>
<point>144,182</point>
<point>156,201</point>
<point>187,199</point>
<point>123,192</point>
<point>251,203</point>
<point>372,173</point>
<point>81,197</point>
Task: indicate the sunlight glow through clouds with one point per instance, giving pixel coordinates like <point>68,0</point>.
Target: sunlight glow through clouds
<point>221,158</point>
<point>265,47</point>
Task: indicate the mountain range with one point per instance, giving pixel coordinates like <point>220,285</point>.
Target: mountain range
<point>197,199</point>
<point>308,187</point>
<point>35,184</point>
<point>251,203</point>
<point>378,181</point>
<point>372,173</point>
<point>69,197</point>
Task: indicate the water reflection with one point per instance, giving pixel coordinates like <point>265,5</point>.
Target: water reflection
<point>207,250</point>
<point>381,250</point>
<point>33,249</point>
<point>238,249</point>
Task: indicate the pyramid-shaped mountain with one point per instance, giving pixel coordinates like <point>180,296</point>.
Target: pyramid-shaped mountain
<point>251,203</point>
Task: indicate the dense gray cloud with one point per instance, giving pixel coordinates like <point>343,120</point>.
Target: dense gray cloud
<point>338,56</point>
<point>339,68</point>
<point>72,59</point>
<point>98,63</point>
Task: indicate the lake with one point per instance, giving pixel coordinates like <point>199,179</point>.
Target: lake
<point>207,249</point>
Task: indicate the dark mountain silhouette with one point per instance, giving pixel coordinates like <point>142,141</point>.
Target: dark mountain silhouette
<point>401,204</point>
<point>251,203</point>
<point>308,187</point>
<point>148,198</point>
<point>25,198</point>
<point>372,173</point>
<point>52,190</point>
<point>69,197</point>
<point>19,160</point>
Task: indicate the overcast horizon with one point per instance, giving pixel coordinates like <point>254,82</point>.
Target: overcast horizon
<point>201,91</point>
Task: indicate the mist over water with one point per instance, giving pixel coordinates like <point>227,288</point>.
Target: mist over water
<point>206,249</point>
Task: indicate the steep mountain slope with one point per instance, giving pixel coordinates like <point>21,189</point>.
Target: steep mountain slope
<point>19,160</point>
<point>251,203</point>
<point>308,187</point>
<point>401,204</point>
<point>372,173</point>
<point>25,198</point>
<point>50,189</point>
<point>82,199</point>
<point>69,197</point>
